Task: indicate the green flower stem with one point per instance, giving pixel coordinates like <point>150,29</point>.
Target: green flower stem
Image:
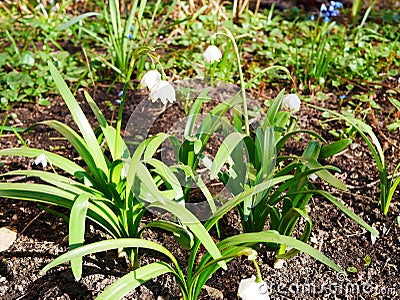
<point>258,276</point>
<point>242,82</point>
<point>136,54</point>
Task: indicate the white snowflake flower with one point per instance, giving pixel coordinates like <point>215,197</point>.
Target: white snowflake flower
<point>41,160</point>
<point>292,102</point>
<point>164,91</point>
<point>249,289</point>
<point>212,54</point>
<point>151,79</point>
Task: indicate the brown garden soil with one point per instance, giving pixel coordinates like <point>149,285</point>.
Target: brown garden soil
<point>43,236</point>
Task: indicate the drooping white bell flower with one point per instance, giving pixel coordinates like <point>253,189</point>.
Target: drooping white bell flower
<point>212,54</point>
<point>151,79</point>
<point>292,102</point>
<point>41,160</point>
<point>249,289</point>
<point>163,91</point>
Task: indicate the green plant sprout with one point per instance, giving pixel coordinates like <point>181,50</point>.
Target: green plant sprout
<point>261,151</point>
<point>125,35</point>
<point>387,186</point>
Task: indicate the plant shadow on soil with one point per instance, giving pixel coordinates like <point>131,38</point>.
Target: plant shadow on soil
<point>43,236</point>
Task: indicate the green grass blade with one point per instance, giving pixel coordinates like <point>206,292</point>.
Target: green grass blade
<point>392,189</point>
<point>182,235</point>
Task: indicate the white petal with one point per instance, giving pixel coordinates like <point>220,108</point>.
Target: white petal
<point>292,102</point>
<point>212,54</point>
<point>151,79</point>
<point>41,159</point>
<point>249,289</point>
<point>313,177</point>
<point>164,91</point>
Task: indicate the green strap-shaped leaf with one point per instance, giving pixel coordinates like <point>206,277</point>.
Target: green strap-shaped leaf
<point>194,112</point>
<point>189,220</point>
<point>82,148</point>
<point>182,235</point>
<point>169,177</point>
<point>37,192</point>
<point>225,150</point>
<point>392,189</point>
<point>200,184</point>
<point>347,211</point>
<point>109,132</point>
<point>79,118</point>
<point>153,144</point>
<point>288,222</point>
<point>284,139</point>
<point>141,184</point>
<point>62,182</point>
<point>272,236</point>
<point>341,206</point>
<point>108,245</point>
<point>225,208</point>
<point>77,19</point>
<point>54,159</point>
<point>76,232</point>
<point>275,108</point>
<point>334,148</point>
<point>132,280</point>
<point>323,174</point>
<point>99,211</point>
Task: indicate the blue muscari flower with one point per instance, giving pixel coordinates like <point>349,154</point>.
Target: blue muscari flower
<point>312,18</point>
<point>338,5</point>
<point>118,101</point>
<point>130,36</point>
<point>335,13</point>
<point>327,17</point>
<point>120,93</point>
<point>342,96</point>
<point>323,8</point>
